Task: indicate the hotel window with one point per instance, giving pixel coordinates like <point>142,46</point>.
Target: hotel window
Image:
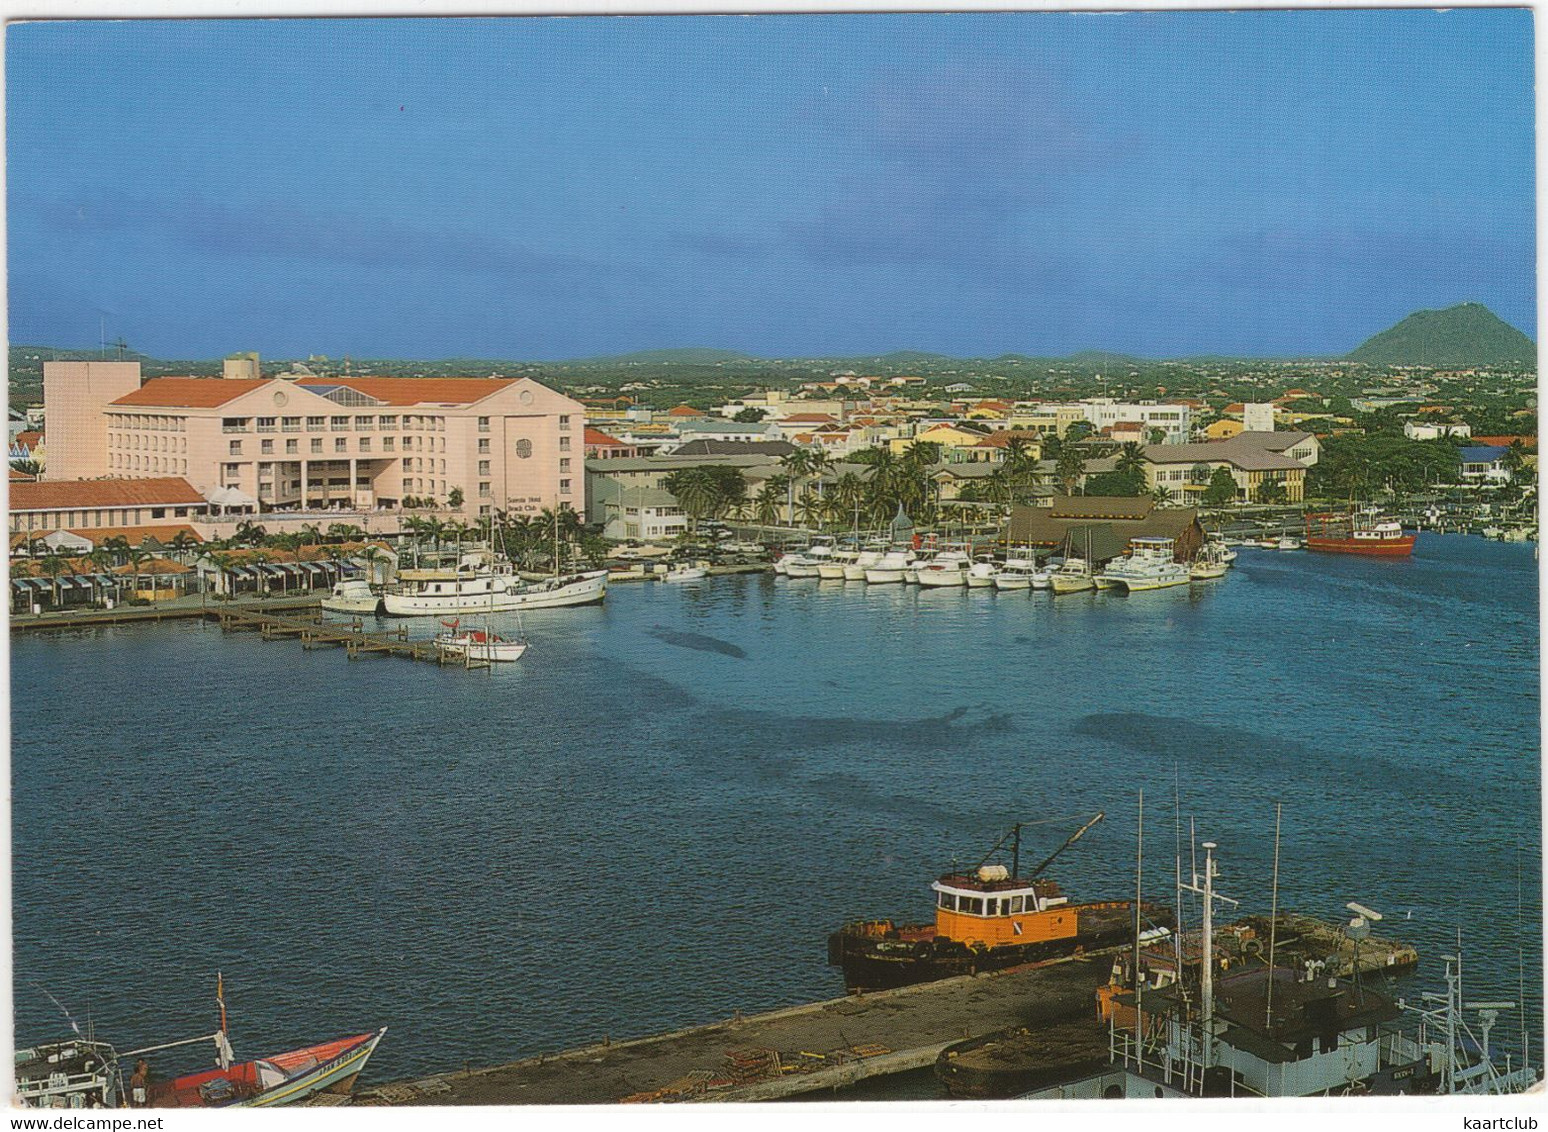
<point>290,424</point>
<point>365,444</point>
<point>564,444</point>
<point>292,447</point>
<point>389,443</point>
<point>483,424</point>
<point>364,424</point>
<point>564,463</point>
<point>338,424</point>
<point>564,487</point>
<point>266,424</point>
<point>315,423</point>
<point>341,444</point>
<point>317,446</point>
<point>266,447</point>
<point>483,467</point>
<point>265,469</point>
<point>564,422</point>
<point>389,421</point>
<point>236,448</point>
<point>233,470</point>
<point>483,491</point>
<point>408,464</point>
<point>485,509</point>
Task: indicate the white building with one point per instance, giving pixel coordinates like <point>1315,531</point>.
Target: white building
<point>1434,431</point>
<point>1258,416</point>
<point>1174,420</point>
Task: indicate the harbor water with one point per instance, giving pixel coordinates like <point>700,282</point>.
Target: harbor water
<point>655,818</point>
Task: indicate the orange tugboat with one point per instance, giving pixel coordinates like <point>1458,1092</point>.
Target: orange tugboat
<point>986,919</point>
<point>1358,533</point>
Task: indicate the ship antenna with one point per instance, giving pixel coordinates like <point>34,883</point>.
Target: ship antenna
<point>1016,851</point>
<point>1139,979</point>
<point>1177,860</point>
<point>1268,1004</point>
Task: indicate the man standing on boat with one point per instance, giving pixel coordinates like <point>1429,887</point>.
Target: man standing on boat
<point>139,1085</point>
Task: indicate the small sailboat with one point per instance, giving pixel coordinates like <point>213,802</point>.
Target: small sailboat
<point>480,644</point>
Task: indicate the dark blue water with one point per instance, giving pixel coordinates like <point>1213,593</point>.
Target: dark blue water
<point>655,818</point>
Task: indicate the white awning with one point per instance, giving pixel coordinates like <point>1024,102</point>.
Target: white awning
<point>231,497</point>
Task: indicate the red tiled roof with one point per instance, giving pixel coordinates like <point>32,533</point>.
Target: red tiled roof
<point>807,418</point>
<point>210,392</point>
<point>21,477</point>
<point>596,438</point>
<point>30,439</point>
<point>1004,436</point>
<point>685,411</point>
<point>1505,441</point>
<point>190,392</point>
<point>56,495</point>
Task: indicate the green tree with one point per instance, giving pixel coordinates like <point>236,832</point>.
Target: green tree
<point>54,564</point>
<point>1156,435</point>
<point>1071,467</point>
<point>454,498</point>
<point>1131,458</point>
<point>749,415</point>
<point>1130,482</point>
<point>1221,489</point>
<point>694,489</point>
<point>1078,431</point>
<point>1272,491</point>
<point>770,496</point>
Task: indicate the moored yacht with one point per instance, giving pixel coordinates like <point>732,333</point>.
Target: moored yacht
<point>1150,565</point>
<point>1074,576</point>
<point>864,560</point>
<point>477,586</point>
<point>982,572</point>
<point>947,568</point>
<point>353,595</point>
<point>889,568</point>
<point>1016,574</point>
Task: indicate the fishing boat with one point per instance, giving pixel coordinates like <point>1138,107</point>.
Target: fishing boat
<point>78,1073</point>
<point>946,568</point>
<point>1288,542</point>
<point>1210,563</point>
<point>281,1079</point>
<point>685,572</point>
<point>987,918</point>
<point>1150,565</point>
<point>889,568</point>
<point>1358,532</point>
<point>980,575</point>
<point>353,595</point>
<point>864,560</point>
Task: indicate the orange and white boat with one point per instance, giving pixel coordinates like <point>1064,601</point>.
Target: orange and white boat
<point>1350,532</point>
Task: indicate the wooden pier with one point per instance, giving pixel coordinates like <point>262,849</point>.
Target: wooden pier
<point>315,632</point>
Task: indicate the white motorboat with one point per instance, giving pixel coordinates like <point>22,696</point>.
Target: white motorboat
<point>889,568</point>
<point>1016,574</point>
<point>855,571</point>
<point>947,568</point>
<point>1150,565</point>
<point>1211,563</point>
<point>1072,576</point>
<point>685,572</point>
<point>354,595</point>
<point>838,562</point>
<point>1288,543</point>
<point>981,573</point>
<point>806,563</point>
<point>477,587</point>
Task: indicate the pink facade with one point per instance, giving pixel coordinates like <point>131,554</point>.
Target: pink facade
<point>76,394</point>
<point>353,442</point>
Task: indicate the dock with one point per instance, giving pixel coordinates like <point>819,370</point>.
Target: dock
<point>802,1049</point>
<point>824,1046</point>
<point>314,631</point>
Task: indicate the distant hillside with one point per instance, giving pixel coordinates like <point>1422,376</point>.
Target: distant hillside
<point>1104,358</point>
<point>690,356</point>
<point>1465,335</point>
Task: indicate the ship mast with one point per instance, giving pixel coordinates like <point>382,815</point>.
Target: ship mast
<point>1207,965</point>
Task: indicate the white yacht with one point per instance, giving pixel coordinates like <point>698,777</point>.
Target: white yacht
<point>476,586</point>
<point>855,571</point>
<point>982,572</point>
<point>353,595</point>
<point>806,564</point>
<point>1016,574</point>
<point>947,568</point>
<point>1150,565</point>
<point>890,567</point>
<point>838,562</point>
<point>685,572</point>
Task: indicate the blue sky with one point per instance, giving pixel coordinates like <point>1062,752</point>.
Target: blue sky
<point>1165,184</point>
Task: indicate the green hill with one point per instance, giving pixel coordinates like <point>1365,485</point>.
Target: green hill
<point>1465,335</point>
<point>688,356</point>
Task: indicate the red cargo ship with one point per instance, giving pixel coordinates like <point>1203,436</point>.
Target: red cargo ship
<point>1346,533</point>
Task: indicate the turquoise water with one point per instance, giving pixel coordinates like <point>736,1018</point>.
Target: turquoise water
<point>657,816</point>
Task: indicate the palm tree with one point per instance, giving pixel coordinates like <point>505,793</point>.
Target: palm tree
<point>180,544</point>
<point>796,465</point>
<point>250,532</point>
<point>766,503</point>
<point>694,490</point>
<point>1072,465</point>
<point>810,508</point>
<point>1163,496</point>
<point>1131,458</point>
<point>118,546</point>
<point>374,556</point>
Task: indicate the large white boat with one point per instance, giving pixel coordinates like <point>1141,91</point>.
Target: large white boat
<point>890,567</point>
<point>806,563</point>
<point>838,562</point>
<point>947,568</point>
<point>353,595</point>
<point>864,560</point>
<point>1150,565</point>
<point>479,587</point>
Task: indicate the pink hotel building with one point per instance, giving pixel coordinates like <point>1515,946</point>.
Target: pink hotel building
<point>309,442</point>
